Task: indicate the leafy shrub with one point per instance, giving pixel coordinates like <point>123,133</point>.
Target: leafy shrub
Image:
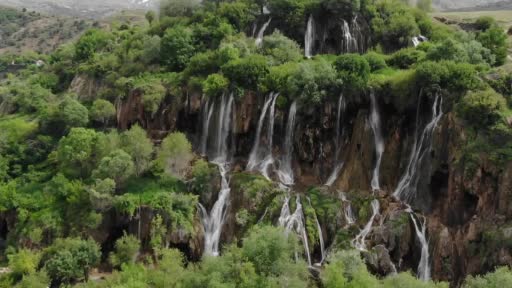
<point>406,58</point>
<point>246,72</point>
<point>483,23</point>
<point>280,49</point>
<point>312,81</point>
<point>126,250</point>
<point>495,40</point>
<point>92,41</point>
<point>353,70</point>
<point>482,108</point>
<point>102,111</point>
<point>137,143</point>
<point>24,262</point>
<point>215,85</point>
<point>376,61</point>
<point>175,154</point>
<point>117,166</point>
<point>502,277</point>
<point>177,47</point>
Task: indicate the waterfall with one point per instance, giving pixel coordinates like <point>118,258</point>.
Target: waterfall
<point>207,116</point>
<point>320,237</point>
<point>295,222</point>
<point>285,172</point>
<point>309,38</point>
<point>349,214</point>
<point>415,41</point>
<point>334,175</point>
<point>424,265</point>
<point>379,142</point>
<point>358,35</point>
<point>212,223</point>
<point>261,32</point>
<point>359,241</point>
<point>349,43</point>
<point>408,185</point>
<point>256,162</point>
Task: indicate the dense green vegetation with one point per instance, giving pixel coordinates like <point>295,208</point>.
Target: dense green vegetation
<point>65,167</point>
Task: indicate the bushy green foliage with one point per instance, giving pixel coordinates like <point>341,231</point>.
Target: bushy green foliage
<point>455,77</point>
<point>495,40</point>
<point>118,166</point>
<point>102,111</point>
<point>406,58</point>
<point>353,70</point>
<point>92,41</point>
<point>482,108</point>
<point>175,154</point>
<point>215,85</point>
<point>24,262</point>
<point>502,277</point>
<point>126,250</point>
<point>405,280</point>
<point>246,72</point>
<point>312,81</point>
<point>177,47</point>
<point>136,143</point>
<point>75,152</point>
<point>280,49</point>
<point>376,61</point>
<point>71,258</point>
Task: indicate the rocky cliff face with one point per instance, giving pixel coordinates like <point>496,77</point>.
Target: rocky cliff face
<point>466,213</point>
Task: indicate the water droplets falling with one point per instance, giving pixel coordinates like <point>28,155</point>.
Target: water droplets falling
<point>359,241</point>
<point>421,233</point>
<point>207,116</point>
<point>213,221</point>
<point>261,32</point>
<point>309,38</point>
<point>339,165</point>
<point>261,157</point>
<point>349,42</point>
<point>379,142</point>
<point>295,222</point>
<point>408,185</point>
<point>285,172</point>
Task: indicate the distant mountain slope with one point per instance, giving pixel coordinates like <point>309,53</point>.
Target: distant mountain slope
<point>471,5</point>
<point>89,8</point>
<point>23,30</point>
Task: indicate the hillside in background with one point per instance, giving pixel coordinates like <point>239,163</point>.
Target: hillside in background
<point>22,30</point>
<point>471,5</point>
<point>95,9</point>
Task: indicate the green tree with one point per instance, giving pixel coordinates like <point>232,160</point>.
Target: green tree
<point>176,8</point>
<point>75,152</point>
<point>215,85</point>
<point>90,42</point>
<point>353,70</point>
<point>281,49</point>
<point>177,47</point>
<point>495,40</point>
<point>71,258</point>
<point>126,250</point>
<point>24,262</point>
<point>247,72</point>
<point>117,166</point>
<point>136,143</point>
<point>175,154</point>
<point>102,111</point>
<point>150,16</point>
<point>72,113</point>
<point>482,108</point>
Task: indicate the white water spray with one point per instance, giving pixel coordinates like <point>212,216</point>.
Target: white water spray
<point>261,32</point>
<point>309,38</point>
<point>349,43</point>
<point>424,265</point>
<point>285,172</point>
<point>334,174</point>
<point>359,241</point>
<point>213,221</point>
<point>379,142</point>
<point>295,222</point>
<point>261,159</point>
<point>207,116</point>
<point>349,214</point>
<point>408,185</point>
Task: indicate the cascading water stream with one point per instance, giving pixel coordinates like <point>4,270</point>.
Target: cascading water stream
<point>424,265</point>
<point>309,38</point>
<point>261,32</point>
<point>334,174</point>
<point>349,214</point>
<point>285,172</point>
<point>349,42</point>
<point>358,36</point>
<point>213,221</point>
<point>379,142</point>
<point>408,185</point>
<point>359,241</point>
<point>295,222</point>
<point>261,159</point>
<point>320,237</point>
<point>207,116</point>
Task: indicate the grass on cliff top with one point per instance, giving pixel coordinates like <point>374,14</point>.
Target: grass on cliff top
<point>504,17</point>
